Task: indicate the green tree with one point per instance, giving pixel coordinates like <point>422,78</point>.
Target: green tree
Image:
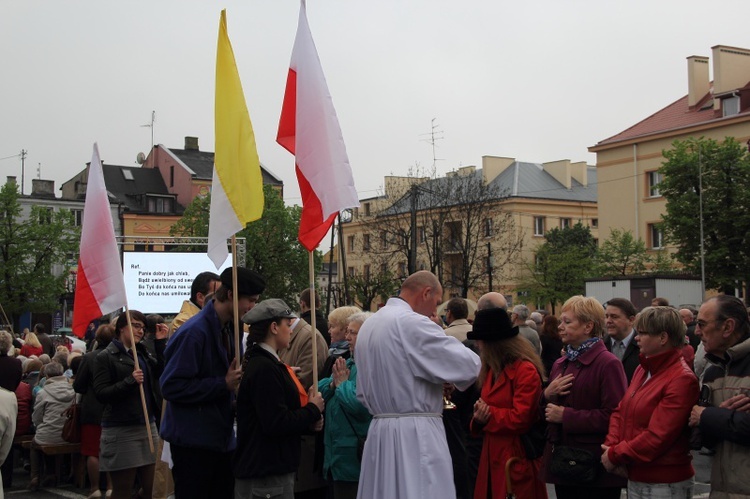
<point>622,255</point>
<point>560,266</point>
<point>368,287</point>
<point>36,255</point>
<point>271,244</point>
<point>725,171</point>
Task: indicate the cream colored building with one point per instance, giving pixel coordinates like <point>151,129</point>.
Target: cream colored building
<point>627,163</point>
<point>532,199</point>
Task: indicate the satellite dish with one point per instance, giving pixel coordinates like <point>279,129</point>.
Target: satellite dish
<point>141,158</point>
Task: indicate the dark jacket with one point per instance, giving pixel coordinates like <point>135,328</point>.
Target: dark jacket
<point>91,408</point>
<point>597,389</point>
<point>270,419</point>
<point>551,348</point>
<point>199,408</point>
<point>631,358</point>
<point>116,388</point>
<point>648,433</point>
<point>46,342</point>
<point>728,430</point>
<point>11,372</point>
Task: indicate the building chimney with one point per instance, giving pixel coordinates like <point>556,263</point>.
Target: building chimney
<point>560,171</point>
<point>42,188</point>
<point>11,179</point>
<point>191,143</point>
<point>466,170</point>
<point>579,171</point>
<point>698,81</point>
<point>492,166</point>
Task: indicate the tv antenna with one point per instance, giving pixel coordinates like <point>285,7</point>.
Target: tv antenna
<point>431,138</point>
<point>151,126</point>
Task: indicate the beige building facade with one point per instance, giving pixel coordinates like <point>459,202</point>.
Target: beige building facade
<point>627,163</point>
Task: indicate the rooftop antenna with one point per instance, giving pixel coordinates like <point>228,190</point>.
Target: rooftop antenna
<point>432,137</point>
<point>39,171</point>
<point>151,126</point>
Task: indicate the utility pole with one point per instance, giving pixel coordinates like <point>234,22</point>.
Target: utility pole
<point>413,224</point>
<point>23,167</point>
<point>489,264</point>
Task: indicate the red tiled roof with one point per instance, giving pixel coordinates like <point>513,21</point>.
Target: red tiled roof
<point>674,116</point>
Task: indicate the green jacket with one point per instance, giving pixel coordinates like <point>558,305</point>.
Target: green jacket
<point>339,435</point>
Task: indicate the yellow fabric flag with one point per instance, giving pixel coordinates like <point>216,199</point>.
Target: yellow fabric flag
<point>237,186</point>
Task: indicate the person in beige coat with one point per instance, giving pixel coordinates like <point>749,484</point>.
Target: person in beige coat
<point>299,354</point>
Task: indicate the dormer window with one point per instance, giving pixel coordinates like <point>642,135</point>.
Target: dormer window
<point>127,174</point>
<point>730,106</point>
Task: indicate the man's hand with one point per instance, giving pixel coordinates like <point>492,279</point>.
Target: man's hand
<point>695,416</point>
<point>234,376</point>
<point>559,386</point>
<point>138,376</point>
<point>739,402</point>
<point>314,396</point>
<point>318,425</point>
<point>162,330</point>
<point>554,413</point>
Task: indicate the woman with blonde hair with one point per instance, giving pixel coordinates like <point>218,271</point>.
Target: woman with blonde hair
<point>511,383</point>
<point>338,320</point>
<point>586,385</point>
<point>32,346</point>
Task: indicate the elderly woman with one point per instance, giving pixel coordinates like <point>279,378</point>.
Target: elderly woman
<point>347,419</point>
<point>338,320</point>
<point>124,449</point>
<point>511,383</point>
<point>273,410</point>
<point>91,408</point>
<point>587,383</point>
<point>648,434</point>
<point>51,402</point>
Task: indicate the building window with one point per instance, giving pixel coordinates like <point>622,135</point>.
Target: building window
<point>594,223</point>
<point>402,269</point>
<point>538,226</point>
<point>730,106</point>
<point>654,178</point>
<point>77,217</point>
<point>159,205</point>
<point>171,176</point>
<point>367,272</point>
<point>351,272</point>
<point>487,227</point>
<point>366,242</point>
<point>383,268</point>
<point>656,236</point>
<point>383,239</point>
<point>420,235</point>
<point>367,209</point>
<point>564,223</point>
<point>350,243</point>
<point>45,216</point>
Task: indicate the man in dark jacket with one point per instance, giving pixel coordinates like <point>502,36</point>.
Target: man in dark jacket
<point>44,339</point>
<point>321,323</point>
<point>199,381</point>
<point>619,317</point>
<point>725,424</point>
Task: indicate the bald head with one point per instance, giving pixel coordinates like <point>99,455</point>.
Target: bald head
<point>422,291</point>
<point>492,300</point>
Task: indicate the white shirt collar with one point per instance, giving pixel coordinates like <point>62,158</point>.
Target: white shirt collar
<point>628,339</point>
<point>268,348</point>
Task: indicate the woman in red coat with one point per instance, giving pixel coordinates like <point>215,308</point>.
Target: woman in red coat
<point>648,432</point>
<point>511,383</point>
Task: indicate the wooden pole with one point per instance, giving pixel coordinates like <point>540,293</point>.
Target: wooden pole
<point>140,385</point>
<point>235,303</point>
<point>313,325</point>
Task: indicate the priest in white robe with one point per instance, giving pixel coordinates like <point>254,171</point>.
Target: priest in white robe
<point>403,360</point>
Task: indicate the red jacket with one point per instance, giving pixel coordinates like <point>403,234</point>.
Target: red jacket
<point>513,399</point>
<point>648,431</point>
<point>23,420</point>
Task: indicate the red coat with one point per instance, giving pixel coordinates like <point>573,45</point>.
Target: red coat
<point>23,397</point>
<point>648,431</point>
<point>513,399</point>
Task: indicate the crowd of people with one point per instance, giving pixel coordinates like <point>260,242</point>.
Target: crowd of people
<point>400,403</point>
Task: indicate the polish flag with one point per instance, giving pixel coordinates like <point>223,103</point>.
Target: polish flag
<point>100,287</point>
<point>310,130</point>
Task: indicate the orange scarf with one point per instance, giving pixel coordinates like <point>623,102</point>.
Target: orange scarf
<point>302,392</point>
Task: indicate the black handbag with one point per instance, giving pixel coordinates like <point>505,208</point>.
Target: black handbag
<point>572,464</point>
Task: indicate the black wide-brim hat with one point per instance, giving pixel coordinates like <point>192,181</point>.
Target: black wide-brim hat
<point>491,325</point>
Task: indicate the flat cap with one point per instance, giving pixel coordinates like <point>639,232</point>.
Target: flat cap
<point>272,308</point>
<point>249,282</point>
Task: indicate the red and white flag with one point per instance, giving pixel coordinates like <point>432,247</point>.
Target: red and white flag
<point>310,130</point>
<point>100,287</point>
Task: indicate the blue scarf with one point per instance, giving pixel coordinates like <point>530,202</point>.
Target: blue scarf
<point>573,353</point>
<point>338,348</point>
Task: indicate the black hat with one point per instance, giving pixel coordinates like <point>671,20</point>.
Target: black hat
<point>273,308</point>
<point>492,324</point>
<point>249,282</point>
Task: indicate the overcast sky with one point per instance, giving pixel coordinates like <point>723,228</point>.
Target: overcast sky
<point>539,80</point>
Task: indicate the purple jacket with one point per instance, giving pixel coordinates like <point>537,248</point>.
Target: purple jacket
<point>598,387</point>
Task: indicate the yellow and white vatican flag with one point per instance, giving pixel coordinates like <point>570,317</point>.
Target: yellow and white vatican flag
<point>237,186</point>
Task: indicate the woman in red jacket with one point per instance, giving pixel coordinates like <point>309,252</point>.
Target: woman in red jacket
<point>32,346</point>
<point>648,432</point>
<point>511,383</point>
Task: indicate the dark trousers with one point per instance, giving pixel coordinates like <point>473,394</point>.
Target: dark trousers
<point>579,492</point>
<point>200,473</point>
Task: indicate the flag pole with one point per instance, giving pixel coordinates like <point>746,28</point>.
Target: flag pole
<point>140,385</point>
<point>313,326</point>
<point>235,303</point>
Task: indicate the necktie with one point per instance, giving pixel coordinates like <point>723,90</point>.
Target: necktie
<point>619,350</point>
